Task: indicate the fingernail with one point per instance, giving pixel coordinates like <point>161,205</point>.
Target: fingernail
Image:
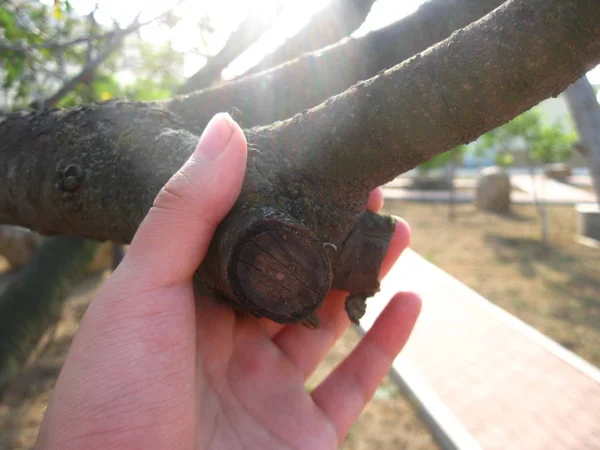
<point>215,137</point>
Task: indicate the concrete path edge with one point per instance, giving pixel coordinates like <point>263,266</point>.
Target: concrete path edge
<point>449,433</point>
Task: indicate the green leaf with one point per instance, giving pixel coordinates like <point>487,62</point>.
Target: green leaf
<point>504,159</point>
<point>57,12</point>
<point>7,22</point>
<point>14,69</point>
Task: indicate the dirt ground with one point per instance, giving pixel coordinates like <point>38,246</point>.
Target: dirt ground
<point>388,422</point>
<point>554,289</point>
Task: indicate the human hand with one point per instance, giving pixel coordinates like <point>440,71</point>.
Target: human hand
<point>151,367</point>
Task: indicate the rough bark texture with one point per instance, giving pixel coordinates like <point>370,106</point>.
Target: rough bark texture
<point>77,171</point>
<point>340,18</point>
<point>585,111</point>
<point>283,91</point>
<point>24,317</point>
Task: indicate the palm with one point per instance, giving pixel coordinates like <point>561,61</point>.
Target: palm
<point>251,390</point>
<point>251,387</point>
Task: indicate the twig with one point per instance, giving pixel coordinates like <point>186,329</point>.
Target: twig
<point>56,45</point>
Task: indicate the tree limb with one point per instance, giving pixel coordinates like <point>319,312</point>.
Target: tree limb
<point>61,45</point>
<point>334,22</point>
<point>246,34</point>
<point>85,73</point>
<point>283,91</point>
<point>52,44</point>
<point>308,177</point>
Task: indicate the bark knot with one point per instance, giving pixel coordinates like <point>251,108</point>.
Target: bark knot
<point>70,178</point>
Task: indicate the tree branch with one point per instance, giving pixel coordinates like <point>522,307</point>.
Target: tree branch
<point>52,44</point>
<point>115,41</point>
<point>77,171</point>
<point>57,45</point>
<point>246,34</point>
<point>84,74</point>
<point>334,22</point>
<point>283,91</point>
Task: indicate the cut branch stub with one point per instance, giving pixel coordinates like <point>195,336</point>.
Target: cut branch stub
<point>266,262</point>
<point>279,270</point>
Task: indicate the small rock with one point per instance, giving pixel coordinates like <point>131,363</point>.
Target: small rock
<point>558,171</point>
<point>493,190</point>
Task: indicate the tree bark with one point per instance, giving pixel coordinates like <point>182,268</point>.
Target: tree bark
<point>283,91</point>
<point>340,18</point>
<point>585,111</point>
<point>308,178</point>
<point>27,309</point>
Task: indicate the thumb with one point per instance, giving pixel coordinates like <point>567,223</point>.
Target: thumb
<point>175,234</point>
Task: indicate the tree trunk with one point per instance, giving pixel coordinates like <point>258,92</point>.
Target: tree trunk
<point>451,178</point>
<point>585,111</point>
<point>539,202</point>
<point>308,178</point>
<point>28,309</point>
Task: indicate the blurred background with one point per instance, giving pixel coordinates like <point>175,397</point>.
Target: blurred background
<point>513,216</point>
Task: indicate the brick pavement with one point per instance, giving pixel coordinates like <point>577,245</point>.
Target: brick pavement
<point>509,386</point>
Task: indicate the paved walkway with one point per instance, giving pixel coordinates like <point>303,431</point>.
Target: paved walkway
<point>552,191</point>
<point>485,378</point>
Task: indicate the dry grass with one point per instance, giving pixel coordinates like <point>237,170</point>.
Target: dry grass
<point>554,289</point>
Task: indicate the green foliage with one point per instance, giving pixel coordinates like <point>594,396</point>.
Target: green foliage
<point>147,90</point>
<point>45,45</point>
<point>552,144</point>
<point>545,143</point>
<point>27,62</point>
<point>504,159</point>
<point>440,161</point>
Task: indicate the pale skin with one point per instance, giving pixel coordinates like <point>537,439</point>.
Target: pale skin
<point>152,367</point>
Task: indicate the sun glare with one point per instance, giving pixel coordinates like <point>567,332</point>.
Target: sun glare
<point>225,16</point>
